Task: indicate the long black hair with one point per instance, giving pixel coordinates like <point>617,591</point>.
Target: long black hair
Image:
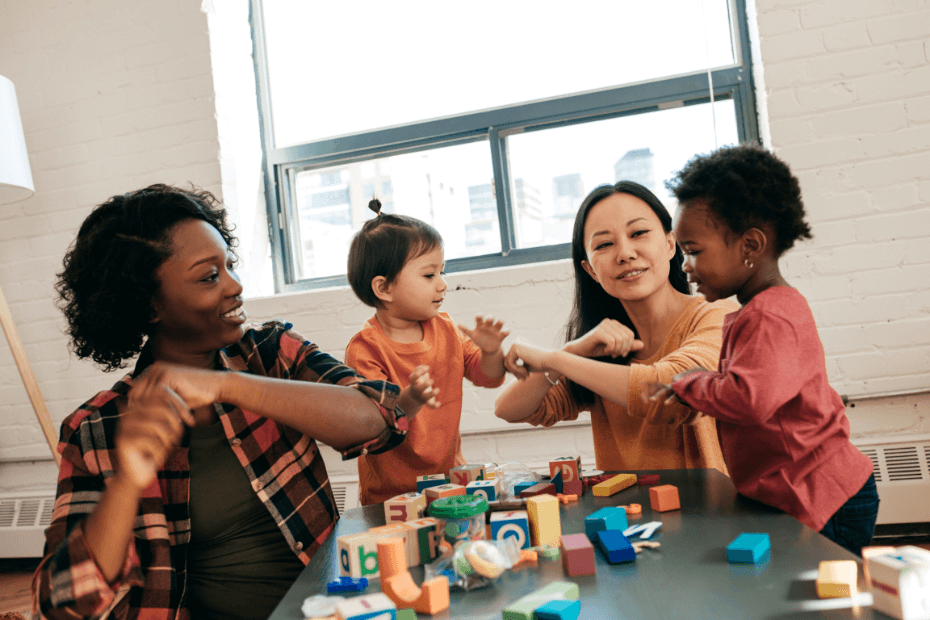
<point>592,303</point>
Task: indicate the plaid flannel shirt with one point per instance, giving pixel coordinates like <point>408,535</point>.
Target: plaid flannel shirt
<point>284,466</point>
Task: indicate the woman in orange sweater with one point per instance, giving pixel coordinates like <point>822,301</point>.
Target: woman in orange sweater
<point>634,322</point>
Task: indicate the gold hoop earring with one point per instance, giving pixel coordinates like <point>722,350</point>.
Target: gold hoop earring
<point>747,263</point>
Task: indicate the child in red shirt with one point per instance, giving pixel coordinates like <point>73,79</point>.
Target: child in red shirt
<point>396,265</point>
<point>783,429</point>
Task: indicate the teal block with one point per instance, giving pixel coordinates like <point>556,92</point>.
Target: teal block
<point>559,610</point>
<point>610,518</point>
<point>748,548</point>
<point>557,481</point>
<point>523,608</point>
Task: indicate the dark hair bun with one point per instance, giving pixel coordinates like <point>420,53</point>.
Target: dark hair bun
<point>375,205</point>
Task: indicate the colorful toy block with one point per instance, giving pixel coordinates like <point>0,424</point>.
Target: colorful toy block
<point>406,507</point>
<point>397,582</point>
<point>368,606</point>
<point>539,489</point>
<point>520,486</point>
<point>577,555</point>
<point>423,540</point>
<point>901,583</point>
<point>430,480</point>
<point>443,490</point>
<point>347,584</point>
<point>463,474</point>
<point>523,608</point>
<point>837,579</point>
<point>491,489</point>
<point>615,546</point>
<point>358,555</point>
<point>868,552</point>
<point>545,522</point>
<point>559,610</point>
<point>613,485</point>
<point>565,499</point>
<point>406,614</point>
<point>648,479</point>
<point>748,548</point>
<point>664,498</point>
<point>515,524</point>
<point>610,518</point>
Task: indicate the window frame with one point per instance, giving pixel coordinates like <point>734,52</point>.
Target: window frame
<point>280,165</point>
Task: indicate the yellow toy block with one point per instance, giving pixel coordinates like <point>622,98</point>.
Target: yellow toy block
<point>463,474</point>
<point>443,490</point>
<point>837,579</point>
<point>545,522</point>
<point>614,485</point>
<point>405,507</point>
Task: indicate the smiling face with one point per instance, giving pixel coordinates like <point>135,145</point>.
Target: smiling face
<point>199,302</point>
<point>628,251</point>
<point>713,254</point>
<point>419,289</point>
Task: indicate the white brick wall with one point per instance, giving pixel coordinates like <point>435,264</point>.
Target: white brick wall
<point>116,94</point>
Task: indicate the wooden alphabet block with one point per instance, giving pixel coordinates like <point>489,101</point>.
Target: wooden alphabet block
<point>490,489</point>
<point>867,553</point>
<point>568,470</point>
<point>664,498</point>
<point>430,480</point>
<point>900,583</point>
<point>423,540</point>
<point>837,579</point>
<point>748,548</point>
<point>523,608</point>
<point>577,555</point>
<point>443,490</point>
<point>358,555</point>
<point>614,485</point>
<point>615,546</point>
<point>609,518</point>
<point>520,486</point>
<point>545,521</point>
<point>367,607</point>
<point>514,524</point>
<point>405,507</point>
<point>463,474</point>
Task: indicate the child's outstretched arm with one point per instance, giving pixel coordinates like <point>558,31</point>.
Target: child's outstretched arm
<point>488,335</point>
<point>418,393</point>
<point>664,394</point>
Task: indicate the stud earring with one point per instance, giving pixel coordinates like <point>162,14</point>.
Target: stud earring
<point>747,263</point>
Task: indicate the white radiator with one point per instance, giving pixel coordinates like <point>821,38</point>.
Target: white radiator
<point>902,476</point>
<point>23,519</point>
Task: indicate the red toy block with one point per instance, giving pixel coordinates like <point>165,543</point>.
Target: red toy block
<point>648,479</point>
<point>539,489</point>
<point>664,498</point>
<point>577,555</point>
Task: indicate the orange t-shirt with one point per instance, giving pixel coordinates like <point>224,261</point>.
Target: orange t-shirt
<point>433,444</point>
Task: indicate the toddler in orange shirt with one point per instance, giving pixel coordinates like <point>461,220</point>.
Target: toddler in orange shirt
<point>396,266</point>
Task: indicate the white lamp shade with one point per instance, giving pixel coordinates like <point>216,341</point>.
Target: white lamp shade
<point>15,174</point>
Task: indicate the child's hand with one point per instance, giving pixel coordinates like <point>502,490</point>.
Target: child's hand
<point>610,337</point>
<point>522,359</point>
<point>660,393</point>
<point>422,388</point>
<point>488,333</point>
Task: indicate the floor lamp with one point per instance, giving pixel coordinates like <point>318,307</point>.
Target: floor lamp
<point>16,184</point>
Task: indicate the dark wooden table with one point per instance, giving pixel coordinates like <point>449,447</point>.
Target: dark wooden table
<point>688,577</point>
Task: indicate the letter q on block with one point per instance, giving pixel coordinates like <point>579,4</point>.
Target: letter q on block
<point>490,489</point>
<point>515,524</point>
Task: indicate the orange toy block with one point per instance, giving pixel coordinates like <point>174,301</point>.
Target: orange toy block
<point>613,485</point>
<point>633,509</point>
<point>443,490</point>
<point>664,498</point>
<point>566,498</point>
<point>397,583</point>
<point>545,522</point>
<point>405,507</point>
<point>463,474</point>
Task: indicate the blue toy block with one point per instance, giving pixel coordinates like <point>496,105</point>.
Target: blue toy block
<point>431,480</point>
<point>748,548</point>
<point>347,584</point>
<point>615,546</point>
<point>557,481</point>
<point>610,518</point>
<point>559,610</point>
<point>489,488</point>
<point>522,486</point>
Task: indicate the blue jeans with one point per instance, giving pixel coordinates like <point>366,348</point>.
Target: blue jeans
<point>854,523</point>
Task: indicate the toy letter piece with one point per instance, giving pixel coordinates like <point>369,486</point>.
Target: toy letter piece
<point>614,485</point>
<point>610,518</point>
<point>837,579</point>
<point>405,507</point>
<point>545,522</point>
<point>368,607</point>
<point>347,584</point>
<point>615,546</point>
<point>523,608</point>
<point>431,480</point>
<point>748,548</point>
<point>513,524</point>
<point>577,555</point>
<point>664,498</point>
<point>901,583</point>
<point>559,610</point>
<point>490,489</point>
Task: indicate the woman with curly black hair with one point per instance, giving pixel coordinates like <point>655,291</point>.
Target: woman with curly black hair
<point>783,429</point>
<point>195,485</point>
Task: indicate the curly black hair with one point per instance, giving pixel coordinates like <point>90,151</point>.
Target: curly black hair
<point>108,284</point>
<point>746,187</point>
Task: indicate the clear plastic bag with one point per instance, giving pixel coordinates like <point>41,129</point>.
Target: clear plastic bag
<point>475,564</point>
<point>513,473</point>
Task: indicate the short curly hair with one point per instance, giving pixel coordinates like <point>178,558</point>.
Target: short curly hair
<point>108,284</point>
<point>746,187</point>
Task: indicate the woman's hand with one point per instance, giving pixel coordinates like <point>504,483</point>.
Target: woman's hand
<point>610,338</point>
<point>196,387</point>
<point>488,334</point>
<point>150,428</point>
<point>522,359</point>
